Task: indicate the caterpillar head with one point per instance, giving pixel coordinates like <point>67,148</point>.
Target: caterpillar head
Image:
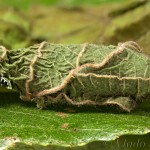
<point>4,82</point>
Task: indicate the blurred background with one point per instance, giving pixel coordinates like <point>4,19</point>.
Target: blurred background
<point>25,22</point>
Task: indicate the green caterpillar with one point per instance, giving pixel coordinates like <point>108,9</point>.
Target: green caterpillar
<point>80,74</point>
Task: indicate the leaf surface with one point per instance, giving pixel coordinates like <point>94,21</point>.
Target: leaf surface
<point>66,126</point>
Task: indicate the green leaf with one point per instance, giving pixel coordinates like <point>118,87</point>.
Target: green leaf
<point>65,126</point>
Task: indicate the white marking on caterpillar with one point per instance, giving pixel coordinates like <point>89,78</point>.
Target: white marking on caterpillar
<point>5,82</point>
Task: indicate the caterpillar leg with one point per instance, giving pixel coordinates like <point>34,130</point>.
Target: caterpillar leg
<point>125,103</point>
